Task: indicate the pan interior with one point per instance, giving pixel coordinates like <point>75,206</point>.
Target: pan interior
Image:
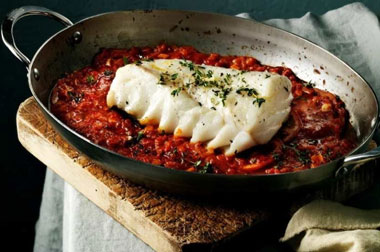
<point>208,33</point>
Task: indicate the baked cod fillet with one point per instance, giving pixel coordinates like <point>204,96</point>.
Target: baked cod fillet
<point>224,107</point>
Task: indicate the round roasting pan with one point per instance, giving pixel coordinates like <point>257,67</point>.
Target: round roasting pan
<point>75,46</point>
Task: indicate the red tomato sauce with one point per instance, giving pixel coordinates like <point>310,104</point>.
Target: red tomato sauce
<point>316,132</point>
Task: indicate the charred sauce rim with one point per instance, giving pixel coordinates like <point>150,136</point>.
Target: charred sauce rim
<point>316,132</point>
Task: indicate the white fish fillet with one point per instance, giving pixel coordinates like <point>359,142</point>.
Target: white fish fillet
<point>227,108</point>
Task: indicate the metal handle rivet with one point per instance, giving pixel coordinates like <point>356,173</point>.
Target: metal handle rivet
<point>36,74</point>
<point>77,37</point>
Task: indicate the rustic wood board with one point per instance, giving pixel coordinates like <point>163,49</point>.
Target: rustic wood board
<point>164,222</point>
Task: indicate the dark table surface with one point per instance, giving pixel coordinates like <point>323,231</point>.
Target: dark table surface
<point>22,174</point>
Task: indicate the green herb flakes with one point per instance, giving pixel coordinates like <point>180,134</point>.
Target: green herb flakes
<point>188,64</point>
<point>206,168</point>
<point>90,79</point>
<point>209,74</point>
<point>176,91</point>
<point>75,97</point>
<point>197,163</point>
<point>162,80</point>
<point>139,136</point>
<point>125,60</point>
<point>247,91</point>
<point>174,76</point>
<point>309,84</point>
<point>303,157</point>
<point>108,72</point>
<point>258,101</point>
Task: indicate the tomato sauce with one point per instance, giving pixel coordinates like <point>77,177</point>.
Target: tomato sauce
<point>316,132</point>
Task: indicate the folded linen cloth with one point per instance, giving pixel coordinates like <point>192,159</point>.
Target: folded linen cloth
<point>329,226</point>
<point>351,32</point>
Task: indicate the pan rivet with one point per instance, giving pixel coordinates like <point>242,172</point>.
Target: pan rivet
<point>77,37</point>
<point>36,74</point>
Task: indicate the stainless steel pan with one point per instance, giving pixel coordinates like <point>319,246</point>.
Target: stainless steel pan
<point>74,47</point>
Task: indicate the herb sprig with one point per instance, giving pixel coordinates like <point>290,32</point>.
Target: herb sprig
<point>258,101</point>
<point>207,168</point>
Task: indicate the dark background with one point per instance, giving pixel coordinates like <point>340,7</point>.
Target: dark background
<point>22,175</point>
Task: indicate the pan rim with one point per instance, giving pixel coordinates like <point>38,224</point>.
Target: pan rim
<point>199,175</point>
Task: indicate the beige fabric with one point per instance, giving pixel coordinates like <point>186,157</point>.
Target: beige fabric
<point>329,226</point>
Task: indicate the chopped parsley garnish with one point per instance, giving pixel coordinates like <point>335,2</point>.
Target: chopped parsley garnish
<point>223,95</point>
<point>125,60</point>
<point>198,163</point>
<point>209,74</point>
<point>303,157</point>
<point>174,76</point>
<point>198,72</point>
<point>188,64</point>
<point>309,84</point>
<point>247,91</point>
<point>201,77</point>
<point>166,77</point>
<point>258,101</point>
<point>162,80</point>
<point>138,62</point>
<point>140,135</point>
<point>206,168</point>
<point>204,78</point>
<point>108,72</point>
<point>286,89</point>
<point>227,79</point>
<point>75,97</point>
<point>312,141</point>
<point>175,151</point>
<point>90,79</point>
<point>267,76</point>
<point>176,91</point>
<point>327,155</point>
<point>276,157</point>
<point>216,92</point>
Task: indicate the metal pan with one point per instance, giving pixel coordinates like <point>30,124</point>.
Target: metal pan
<point>74,47</point>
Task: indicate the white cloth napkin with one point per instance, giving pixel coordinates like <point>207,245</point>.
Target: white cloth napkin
<point>69,222</point>
<point>329,226</point>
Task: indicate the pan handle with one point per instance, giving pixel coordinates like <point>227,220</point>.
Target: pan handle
<point>350,161</point>
<point>16,14</point>
<point>362,157</point>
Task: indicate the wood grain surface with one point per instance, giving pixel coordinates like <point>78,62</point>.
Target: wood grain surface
<point>164,222</point>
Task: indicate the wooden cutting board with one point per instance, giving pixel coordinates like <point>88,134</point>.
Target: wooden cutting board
<point>166,222</point>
